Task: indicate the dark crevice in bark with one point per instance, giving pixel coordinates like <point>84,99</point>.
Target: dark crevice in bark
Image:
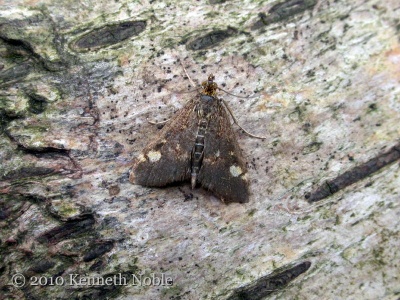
<point>268,284</point>
<point>354,175</point>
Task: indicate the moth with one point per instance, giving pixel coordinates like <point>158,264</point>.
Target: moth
<point>197,145</point>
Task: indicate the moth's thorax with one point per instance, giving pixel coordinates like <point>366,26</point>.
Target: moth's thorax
<point>206,98</point>
<point>209,87</point>
<point>206,106</point>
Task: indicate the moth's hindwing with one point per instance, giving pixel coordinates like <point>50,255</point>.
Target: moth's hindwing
<point>167,159</point>
<point>223,170</point>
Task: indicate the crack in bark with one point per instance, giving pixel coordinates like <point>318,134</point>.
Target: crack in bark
<point>266,285</point>
<point>354,175</point>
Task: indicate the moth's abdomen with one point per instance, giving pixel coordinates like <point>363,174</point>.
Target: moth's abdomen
<point>198,151</point>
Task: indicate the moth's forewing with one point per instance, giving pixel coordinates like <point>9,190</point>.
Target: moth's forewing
<point>223,169</point>
<point>167,159</point>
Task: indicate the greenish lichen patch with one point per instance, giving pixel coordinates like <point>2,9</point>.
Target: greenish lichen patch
<point>65,209</point>
<point>31,31</point>
<point>14,105</point>
<point>44,89</point>
<point>312,147</point>
<point>29,136</point>
<point>297,115</point>
<point>173,292</point>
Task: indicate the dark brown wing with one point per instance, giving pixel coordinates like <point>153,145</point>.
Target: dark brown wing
<point>167,158</point>
<point>223,170</point>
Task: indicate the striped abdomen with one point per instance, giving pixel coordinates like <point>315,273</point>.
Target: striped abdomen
<point>203,113</point>
<point>198,150</point>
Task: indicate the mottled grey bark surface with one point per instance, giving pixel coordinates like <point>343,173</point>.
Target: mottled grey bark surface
<point>79,80</point>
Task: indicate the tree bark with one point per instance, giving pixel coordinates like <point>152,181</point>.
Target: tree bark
<point>79,80</point>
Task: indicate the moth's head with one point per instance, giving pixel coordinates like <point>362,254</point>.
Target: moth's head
<point>209,86</point>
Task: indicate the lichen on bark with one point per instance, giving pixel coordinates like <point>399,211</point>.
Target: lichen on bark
<point>80,79</point>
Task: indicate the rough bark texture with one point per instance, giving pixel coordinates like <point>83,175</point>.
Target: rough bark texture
<point>79,79</point>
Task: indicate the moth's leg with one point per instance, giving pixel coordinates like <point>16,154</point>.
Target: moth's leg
<point>237,123</point>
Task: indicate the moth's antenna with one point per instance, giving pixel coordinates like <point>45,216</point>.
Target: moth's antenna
<point>237,123</point>
<point>191,82</point>
<point>190,79</point>
<point>245,97</point>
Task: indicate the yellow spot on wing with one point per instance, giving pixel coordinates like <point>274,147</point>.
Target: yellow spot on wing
<point>154,156</point>
<point>235,171</point>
